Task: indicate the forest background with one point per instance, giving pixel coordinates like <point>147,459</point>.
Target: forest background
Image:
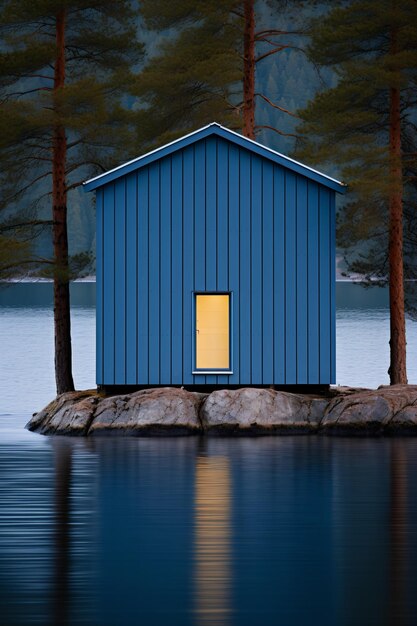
<point>87,85</point>
<point>287,78</point>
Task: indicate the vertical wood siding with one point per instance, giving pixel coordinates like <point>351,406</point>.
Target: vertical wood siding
<point>215,217</point>
<point>99,287</point>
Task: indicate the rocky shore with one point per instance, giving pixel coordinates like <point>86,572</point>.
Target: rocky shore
<point>174,411</point>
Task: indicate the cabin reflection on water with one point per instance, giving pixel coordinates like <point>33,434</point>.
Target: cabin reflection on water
<point>214,531</point>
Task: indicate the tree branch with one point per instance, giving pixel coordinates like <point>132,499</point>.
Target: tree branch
<point>267,54</point>
<point>271,32</point>
<point>34,261</point>
<point>39,146</point>
<point>24,93</point>
<point>26,187</point>
<point>74,143</point>
<point>33,158</point>
<point>237,13</point>
<point>280,132</point>
<point>24,224</point>
<point>75,185</point>
<point>276,106</point>
<point>74,167</point>
<point>278,49</point>
<point>271,43</point>
<point>33,76</point>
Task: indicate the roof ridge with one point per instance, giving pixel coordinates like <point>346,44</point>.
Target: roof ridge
<point>202,133</point>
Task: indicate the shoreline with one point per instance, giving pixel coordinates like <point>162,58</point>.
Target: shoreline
<point>92,279</point>
<point>388,410</point>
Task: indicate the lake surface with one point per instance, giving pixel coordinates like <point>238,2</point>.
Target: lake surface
<point>192,531</point>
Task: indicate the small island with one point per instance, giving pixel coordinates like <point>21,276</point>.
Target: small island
<point>226,334</point>
<point>388,410</point>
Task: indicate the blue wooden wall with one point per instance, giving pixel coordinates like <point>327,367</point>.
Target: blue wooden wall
<point>215,217</point>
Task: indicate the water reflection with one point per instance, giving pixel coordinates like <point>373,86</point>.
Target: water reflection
<point>61,569</point>
<point>360,531</point>
<point>212,540</point>
<point>399,535</point>
<point>230,532</point>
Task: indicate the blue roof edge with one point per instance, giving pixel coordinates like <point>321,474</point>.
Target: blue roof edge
<point>229,135</point>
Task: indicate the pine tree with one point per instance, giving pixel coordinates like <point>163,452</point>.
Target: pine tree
<point>205,71</point>
<point>270,39</point>
<point>15,256</point>
<point>192,79</point>
<point>364,125</point>
<point>65,70</point>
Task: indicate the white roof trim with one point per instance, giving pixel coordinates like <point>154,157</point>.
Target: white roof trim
<point>233,132</point>
<point>143,156</point>
<point>283,156</point>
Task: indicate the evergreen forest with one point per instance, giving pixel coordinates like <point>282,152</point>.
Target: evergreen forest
<point>87,85</point>
<point>288,79</point>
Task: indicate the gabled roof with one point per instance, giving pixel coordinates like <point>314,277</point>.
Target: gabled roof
<point>224,133</point>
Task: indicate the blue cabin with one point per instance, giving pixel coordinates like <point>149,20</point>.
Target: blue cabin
<point>215,266</point>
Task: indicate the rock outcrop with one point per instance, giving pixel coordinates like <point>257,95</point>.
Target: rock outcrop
<point>261,410</point>
<point>151,411</point>
<point>69,414</point>
<point>147,412</point>
<point>390,409</point>
<point>170,410</point>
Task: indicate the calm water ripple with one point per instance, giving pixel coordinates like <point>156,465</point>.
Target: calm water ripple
<point>195,532</point>
<point>188,531</point>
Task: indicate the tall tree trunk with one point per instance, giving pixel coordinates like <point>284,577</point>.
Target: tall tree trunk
<point>397,369</point>
<point>249,70</point>
<point>62,321</point>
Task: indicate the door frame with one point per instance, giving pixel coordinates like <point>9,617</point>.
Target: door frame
<point>226,371</point>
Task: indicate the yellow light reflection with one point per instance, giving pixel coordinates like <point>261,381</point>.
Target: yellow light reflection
<point>212,540</point>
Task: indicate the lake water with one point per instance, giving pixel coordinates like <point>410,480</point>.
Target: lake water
<point>192,531</point>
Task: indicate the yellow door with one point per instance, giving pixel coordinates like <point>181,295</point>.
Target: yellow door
<point>212,332</point>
